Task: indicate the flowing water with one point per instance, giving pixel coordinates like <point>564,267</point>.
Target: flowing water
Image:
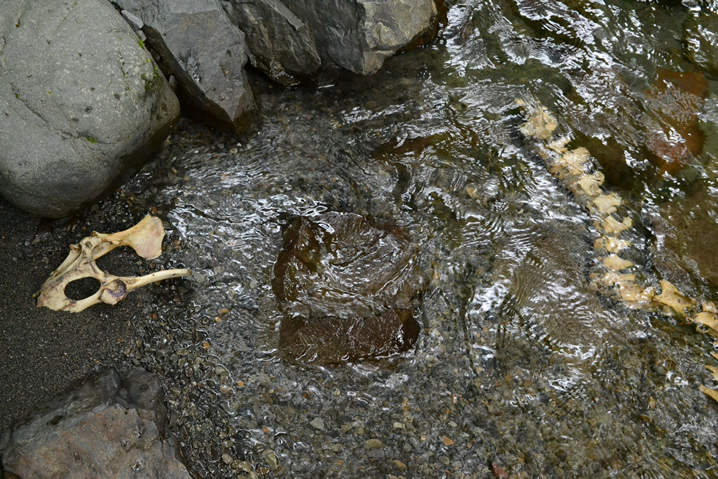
<point>521,368</point>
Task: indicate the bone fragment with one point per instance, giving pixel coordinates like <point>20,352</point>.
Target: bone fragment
<point>589,185</point>
<point>634,294</point>
<point>710,392</point>
<point>713,370</point>
<point>572,163</point>
<point>611,278</point>
<point>540,123</point>
<point>559,145</point>
<point>670,296</point>
<point>605,204</point>
<point>145,238</point>
<point>612,226</point>
<point>707,318</point>
<point>616,263</point>
<point>611,244</point>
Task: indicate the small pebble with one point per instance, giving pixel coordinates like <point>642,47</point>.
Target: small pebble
<point>447,441</point>
<point>271,459</point>
<point>317,423</point>
<point>374,443</point>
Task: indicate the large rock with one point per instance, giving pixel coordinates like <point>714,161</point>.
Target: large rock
<point>106,427</point>
<point>347,288</point>
<point>81,102</point>
<point>281,44</point>
<point>197,44</point>
<point>360,34</point>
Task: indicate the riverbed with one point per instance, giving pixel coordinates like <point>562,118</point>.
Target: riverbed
<point>522,367</point>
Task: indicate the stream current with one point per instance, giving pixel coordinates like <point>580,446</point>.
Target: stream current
<point>520,369</point>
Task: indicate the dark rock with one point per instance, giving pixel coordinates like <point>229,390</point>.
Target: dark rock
<point>686,232</point>
<point>347,288</point>
<point>701,41</point>
<point>290,40</point>
<point>360,34</point>
<point>333,339</point>
<point>673,132</point>
<point>106,427</point>
<point>281,45</point>
<point>81,103</point>
<point>195,42</point>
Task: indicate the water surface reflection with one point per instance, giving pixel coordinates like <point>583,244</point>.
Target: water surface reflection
<point>520,364</point>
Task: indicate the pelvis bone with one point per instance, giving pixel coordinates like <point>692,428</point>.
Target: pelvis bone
<point>145,238</point>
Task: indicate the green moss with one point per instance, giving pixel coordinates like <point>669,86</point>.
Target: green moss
<point>92,140</point>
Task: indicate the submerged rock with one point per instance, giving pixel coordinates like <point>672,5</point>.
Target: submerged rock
<point>81,103</point>
<point>673,132</point>
<point>106,427</point>
<point>686,233</point>
<point>347,288</point>
<point>198,45</point>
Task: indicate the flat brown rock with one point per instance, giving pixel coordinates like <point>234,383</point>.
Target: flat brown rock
<point>347,288</point>
<point>673,133</point>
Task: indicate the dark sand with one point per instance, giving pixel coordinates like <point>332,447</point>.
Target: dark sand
<point>42,352</point>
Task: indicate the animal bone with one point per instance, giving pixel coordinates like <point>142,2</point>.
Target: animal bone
<point>145,238</point>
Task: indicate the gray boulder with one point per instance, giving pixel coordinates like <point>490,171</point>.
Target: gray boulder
<point>195,42</point>
<point>360,34</point>
<point>81,103</point>
<point>281,45</point>
<point>106,427</point>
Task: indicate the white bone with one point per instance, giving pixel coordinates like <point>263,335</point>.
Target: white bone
<point>145,238</point>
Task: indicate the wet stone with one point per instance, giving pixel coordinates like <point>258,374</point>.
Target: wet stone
<point>108,426</point>
<point>701,40</point>
<point>347,288</point>
<point>374,443</point>
<point>674,136</point>
<point>686,233</point>
<point>317,423</point>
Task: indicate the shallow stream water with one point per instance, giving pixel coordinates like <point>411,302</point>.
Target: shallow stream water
<point>521,369</point>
